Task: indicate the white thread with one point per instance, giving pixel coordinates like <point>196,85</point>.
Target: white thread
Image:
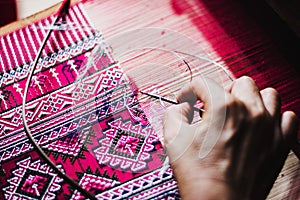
<point>12,52</point>
<point>31,41</point>
<point>19,48</point>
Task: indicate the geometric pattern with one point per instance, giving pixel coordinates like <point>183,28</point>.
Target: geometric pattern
<point>92,182</point>
<point>70,146</point>
<point>154,185</point>
<point>80,116</point>
<point>126,146</point>
<point>32,180</point>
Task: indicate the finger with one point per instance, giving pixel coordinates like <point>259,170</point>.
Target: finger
<point>271,100</point>
<point>276,159</point>
<point>180,112</point>
<point>247,91</point>
<point>174,117</point>
<point>289,125</point>
<point>289,128</point>
<point>229,87</point>
<point>178,135</point>
<point>215,100</point>
<point>209,92</point>
<point>186,95</point>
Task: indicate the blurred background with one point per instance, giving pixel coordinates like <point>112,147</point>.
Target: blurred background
<point>12,10</point>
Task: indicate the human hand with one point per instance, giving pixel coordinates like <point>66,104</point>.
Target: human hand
<point>238,148</point>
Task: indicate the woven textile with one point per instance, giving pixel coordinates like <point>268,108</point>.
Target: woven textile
<point>84,126</point>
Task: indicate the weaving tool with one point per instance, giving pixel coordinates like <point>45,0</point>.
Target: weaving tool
<point>63,11</point>
<point>156,96</point>
<point>52,27</point>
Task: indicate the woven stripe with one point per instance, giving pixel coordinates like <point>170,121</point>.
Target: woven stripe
<point>23,44</point>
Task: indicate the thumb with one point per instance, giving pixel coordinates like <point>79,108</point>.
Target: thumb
<point>174,117</point>
<point>178,134</point>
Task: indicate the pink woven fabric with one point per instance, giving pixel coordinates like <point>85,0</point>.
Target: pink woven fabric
<point>83,126</point>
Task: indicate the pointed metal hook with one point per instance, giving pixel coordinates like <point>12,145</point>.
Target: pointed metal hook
<point>156,96</point>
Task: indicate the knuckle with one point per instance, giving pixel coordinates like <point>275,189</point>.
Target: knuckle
<point>292,116</point>
<point>232,103</point>
<point>245,79</point>
<point>235,107</point>
<point>271,93</point>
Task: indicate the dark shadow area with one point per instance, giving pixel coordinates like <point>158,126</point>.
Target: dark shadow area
<point>8,12</point>
<point>277,29</point>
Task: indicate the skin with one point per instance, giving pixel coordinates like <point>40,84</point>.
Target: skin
<point>238,148</point>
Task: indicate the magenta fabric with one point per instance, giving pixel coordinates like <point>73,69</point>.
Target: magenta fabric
<point>83,126</point>
<point>97,141</point>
